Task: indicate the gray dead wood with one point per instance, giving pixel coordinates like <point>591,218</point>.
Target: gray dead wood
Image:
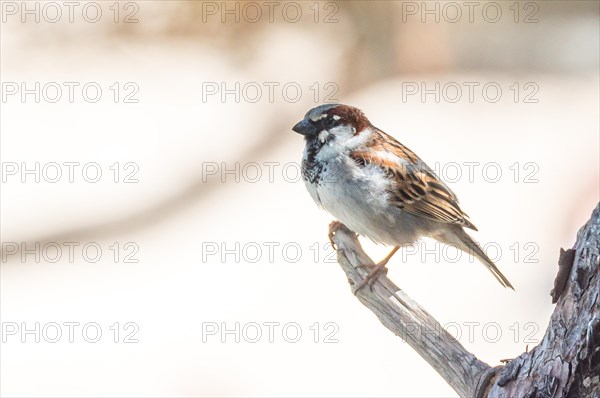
<point>565,364</point>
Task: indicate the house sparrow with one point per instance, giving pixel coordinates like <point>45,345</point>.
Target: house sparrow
<point>378,187</point>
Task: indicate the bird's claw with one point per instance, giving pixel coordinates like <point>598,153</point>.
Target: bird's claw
<point>371,277</point>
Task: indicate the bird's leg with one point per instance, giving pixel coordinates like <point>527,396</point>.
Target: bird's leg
<point>376,271</point>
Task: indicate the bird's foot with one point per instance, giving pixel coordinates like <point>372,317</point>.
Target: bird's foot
<point>372,276</point>
<point>376,271</point>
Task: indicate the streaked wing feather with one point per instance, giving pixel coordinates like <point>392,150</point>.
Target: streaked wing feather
<point>416,189</point>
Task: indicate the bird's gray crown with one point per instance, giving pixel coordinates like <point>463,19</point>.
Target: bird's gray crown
<point>317,113</point>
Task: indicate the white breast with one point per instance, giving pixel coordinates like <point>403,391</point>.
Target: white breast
<point>358,197</point>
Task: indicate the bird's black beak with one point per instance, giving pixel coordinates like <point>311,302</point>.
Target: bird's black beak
<point>306,128</point>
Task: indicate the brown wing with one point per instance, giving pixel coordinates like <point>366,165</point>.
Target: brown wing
<point>416,189</point>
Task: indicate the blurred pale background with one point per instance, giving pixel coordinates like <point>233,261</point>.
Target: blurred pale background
<point>202,235</point>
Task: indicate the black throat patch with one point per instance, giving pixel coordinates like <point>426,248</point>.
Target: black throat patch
<point>313,170</point>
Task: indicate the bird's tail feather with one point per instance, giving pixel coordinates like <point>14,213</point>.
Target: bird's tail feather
<point>465,243</point>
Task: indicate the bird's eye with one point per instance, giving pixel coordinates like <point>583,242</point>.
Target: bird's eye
<point>329,121</point>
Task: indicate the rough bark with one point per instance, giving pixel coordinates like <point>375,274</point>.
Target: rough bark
<point>565,364</point>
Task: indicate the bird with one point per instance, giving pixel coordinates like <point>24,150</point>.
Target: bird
<point>379,188</point>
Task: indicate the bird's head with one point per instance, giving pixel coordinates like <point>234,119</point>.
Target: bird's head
<point>332,123</point>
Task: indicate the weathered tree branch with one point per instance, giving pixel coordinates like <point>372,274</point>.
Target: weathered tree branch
<point>407,319</point>
<point>565,364</point>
